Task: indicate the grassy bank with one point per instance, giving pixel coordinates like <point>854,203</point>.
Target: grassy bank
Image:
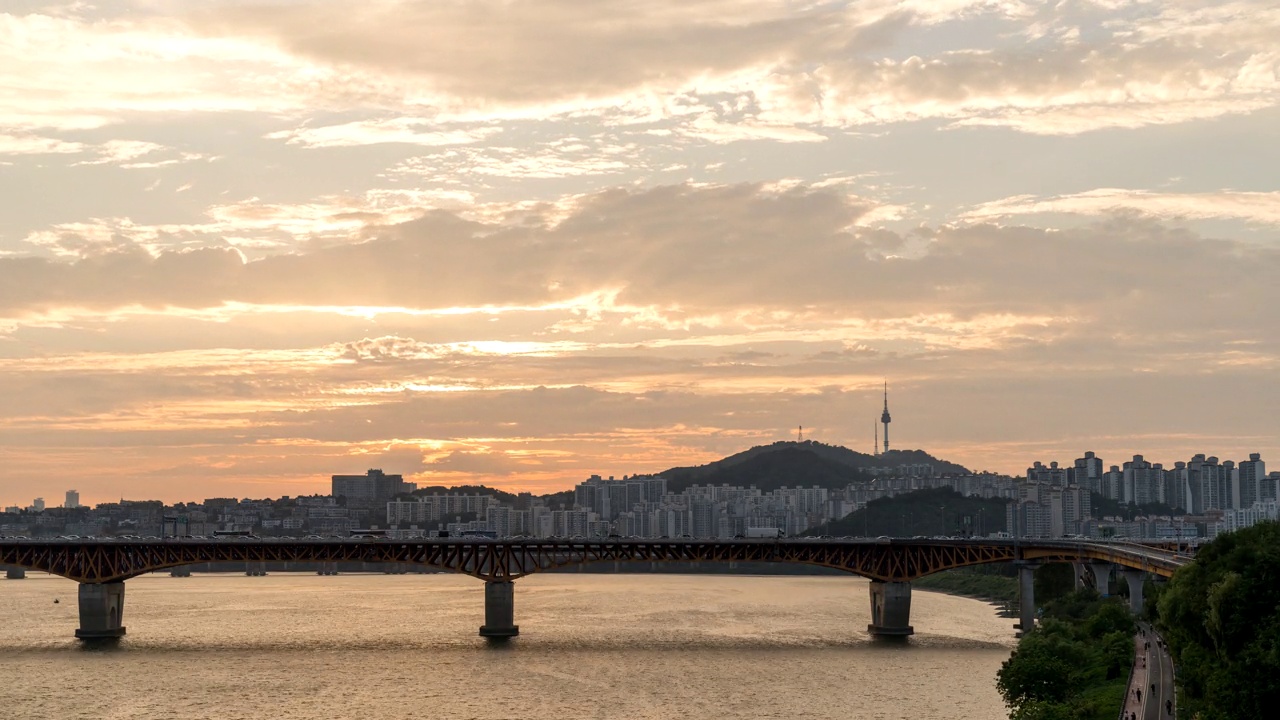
<point>998,589</point>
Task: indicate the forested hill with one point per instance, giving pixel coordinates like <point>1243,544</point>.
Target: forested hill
<point>795,466</point>
<point>934,511</point>
<point>767,467</point>
<point>894,458</point>
<point>682,477</point>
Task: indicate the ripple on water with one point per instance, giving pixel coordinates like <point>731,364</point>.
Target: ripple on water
<point>639,646</point>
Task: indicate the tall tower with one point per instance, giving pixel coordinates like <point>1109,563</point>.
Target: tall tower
<point>884,416</point>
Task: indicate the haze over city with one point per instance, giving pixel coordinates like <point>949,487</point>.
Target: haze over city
<point>247,245</point>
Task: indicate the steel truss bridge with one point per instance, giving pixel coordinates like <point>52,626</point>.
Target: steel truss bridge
<point>101,566</point>
<point>105,561</point>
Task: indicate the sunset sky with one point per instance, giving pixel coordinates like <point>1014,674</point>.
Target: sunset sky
<point>248,244</point>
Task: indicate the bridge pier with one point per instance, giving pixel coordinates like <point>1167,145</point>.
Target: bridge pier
<point>1026,597</point>
<point>1101,577</point>
<point>101,611</point>
<point>890,609</point>
<point>499,610</point>
<point>255,569</point>
<point>184,571</point>
<point>1077,569</point>
<point>15,574</point>
<point>328,568</point>
<point>1136,579</point>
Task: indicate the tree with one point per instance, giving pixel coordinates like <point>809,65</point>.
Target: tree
<point>1221,618</point>
<point>1040,671</point>
<point>1053,581</point>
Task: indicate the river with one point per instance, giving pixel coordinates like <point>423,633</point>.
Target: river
<point>382,647</point>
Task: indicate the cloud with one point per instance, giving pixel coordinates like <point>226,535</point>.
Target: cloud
<point>428,71</point>
<point>28,144</point>
<point>702,249</point>
<point>404,130</point>
<point>1258,207</point>
<point>799,68</point>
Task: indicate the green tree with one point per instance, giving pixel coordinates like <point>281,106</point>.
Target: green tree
<point>1041,670</point>
<point>1054,581</point>
<point>1221,618</point>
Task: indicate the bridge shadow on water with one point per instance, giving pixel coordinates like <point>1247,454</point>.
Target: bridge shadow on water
<point>529,644</point>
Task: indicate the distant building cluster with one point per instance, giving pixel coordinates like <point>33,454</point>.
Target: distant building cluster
<point>637,506</point>
<point>1203,497</point>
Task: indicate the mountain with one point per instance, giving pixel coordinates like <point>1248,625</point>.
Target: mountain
<point>682,477</point>
<point>789,464</point>
<point>768,467</point>
<point>894,458</point>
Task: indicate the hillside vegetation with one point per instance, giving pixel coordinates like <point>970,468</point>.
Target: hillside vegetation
<point>921,513</point>
<point>1074,665</point>
<point>834,453</point>
<point>1221,618</point>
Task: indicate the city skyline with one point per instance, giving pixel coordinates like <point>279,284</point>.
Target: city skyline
<point>251,244</point>
<point>1091,465</point>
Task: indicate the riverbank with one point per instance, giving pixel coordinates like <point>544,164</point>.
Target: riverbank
<point>999,590</point>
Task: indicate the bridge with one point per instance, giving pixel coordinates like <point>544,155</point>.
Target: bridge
<point>102,565</point>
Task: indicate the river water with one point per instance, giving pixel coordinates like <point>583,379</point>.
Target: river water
<point>382,647</point>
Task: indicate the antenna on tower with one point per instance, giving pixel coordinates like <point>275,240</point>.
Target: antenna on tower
<point>800,434</point>
<point>875,444</point>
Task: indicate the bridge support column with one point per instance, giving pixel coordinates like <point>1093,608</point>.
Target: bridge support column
<point>1136,579</point>
<point>184,571</point>
<point>890,609</point>
<point>101,611</point>
<point>15,574</point>
<point>1026,598</point>
<point>499,610</point>
<point>1077,569</point>
<point>1101,577</point>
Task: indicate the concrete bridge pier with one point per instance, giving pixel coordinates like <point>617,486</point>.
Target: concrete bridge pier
<point>1136,579</point>
<point>255,569</point>
<point>184,571</point>
<point>15,574</point>
<point>328,568</point>
<point>499,610</point>
<point>890,609</point>
<point>1026,597</point>
<point>1101,577</point>
<point>1077,569</point>
<point>101,611</point>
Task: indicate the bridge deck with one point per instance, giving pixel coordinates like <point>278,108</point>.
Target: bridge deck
<point>110,560</point>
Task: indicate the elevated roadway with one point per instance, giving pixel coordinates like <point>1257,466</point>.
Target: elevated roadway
<point>102,565</point>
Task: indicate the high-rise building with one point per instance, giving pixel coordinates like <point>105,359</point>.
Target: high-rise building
<point>1271,486</point>
<point>38,504</point>
<point>73,500</point>
<point>373,489</point>
<point>1143,482</point>
<point>1113,484</point>
<point>1253,480</point>
<point>1054,475</point>
<point>1207,484</point>
<point>1087,472</point>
